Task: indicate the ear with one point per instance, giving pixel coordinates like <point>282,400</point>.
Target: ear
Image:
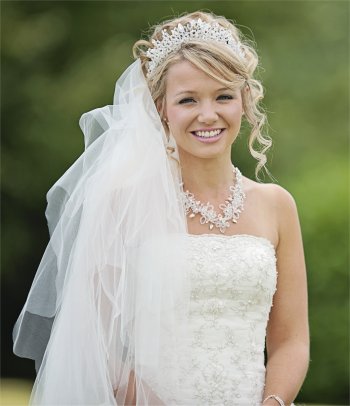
<point>161,107</point>
<point>246,89</point>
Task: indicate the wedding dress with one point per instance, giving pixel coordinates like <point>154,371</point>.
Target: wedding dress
<point>233,279</point>
<point>123,290</point>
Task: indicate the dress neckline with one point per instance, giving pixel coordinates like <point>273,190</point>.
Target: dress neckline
<point>236,236</point>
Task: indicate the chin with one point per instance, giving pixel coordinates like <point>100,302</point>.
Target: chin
<point>209,153</point>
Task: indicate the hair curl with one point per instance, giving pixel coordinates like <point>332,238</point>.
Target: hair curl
<point>222,65</point>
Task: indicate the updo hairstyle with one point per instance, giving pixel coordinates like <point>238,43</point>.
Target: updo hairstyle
<point>220,63</point>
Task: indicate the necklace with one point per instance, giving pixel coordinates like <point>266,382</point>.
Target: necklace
<point>231,209</point>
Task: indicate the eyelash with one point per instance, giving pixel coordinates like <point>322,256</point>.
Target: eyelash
<point>184,101</point>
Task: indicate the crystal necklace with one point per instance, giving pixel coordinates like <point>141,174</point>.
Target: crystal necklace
<point>231,209</point>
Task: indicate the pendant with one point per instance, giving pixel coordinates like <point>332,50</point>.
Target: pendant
<point>231,208</point>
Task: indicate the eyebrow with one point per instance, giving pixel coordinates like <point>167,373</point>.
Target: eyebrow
<point>192,91</point>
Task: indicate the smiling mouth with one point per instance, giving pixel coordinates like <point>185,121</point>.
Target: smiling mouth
<point>208,134</point>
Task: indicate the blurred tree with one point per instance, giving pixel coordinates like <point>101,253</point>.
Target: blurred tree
<point>61,58</point>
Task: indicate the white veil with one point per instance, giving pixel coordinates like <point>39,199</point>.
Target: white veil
<point>108,305</point>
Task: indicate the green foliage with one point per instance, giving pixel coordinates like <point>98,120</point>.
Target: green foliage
<point>60,59</point>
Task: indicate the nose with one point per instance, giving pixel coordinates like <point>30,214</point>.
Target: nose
<point>207,113</point>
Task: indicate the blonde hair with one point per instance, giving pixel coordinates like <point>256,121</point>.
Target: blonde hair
<point>222,65</point>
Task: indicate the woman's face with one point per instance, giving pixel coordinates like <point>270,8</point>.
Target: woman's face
<point>204,117</point>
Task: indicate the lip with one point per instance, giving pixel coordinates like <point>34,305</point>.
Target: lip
<point>209,140</point>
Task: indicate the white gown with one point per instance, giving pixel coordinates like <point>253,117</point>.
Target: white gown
<point>115,277</point>
<point>233,279</point>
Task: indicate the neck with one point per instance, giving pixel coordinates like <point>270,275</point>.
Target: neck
<point>208,177</point>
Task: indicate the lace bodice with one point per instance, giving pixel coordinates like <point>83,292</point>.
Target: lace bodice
<point>233,279</point>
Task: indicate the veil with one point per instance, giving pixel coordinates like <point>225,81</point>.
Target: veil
<point>107,310</point>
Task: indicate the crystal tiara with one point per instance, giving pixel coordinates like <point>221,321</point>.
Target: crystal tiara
<point>193,30</point>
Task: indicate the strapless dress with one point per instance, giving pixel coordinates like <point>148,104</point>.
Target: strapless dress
<point>233,280</point>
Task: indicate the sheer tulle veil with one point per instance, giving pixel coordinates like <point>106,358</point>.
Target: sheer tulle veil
<point>110,298</point>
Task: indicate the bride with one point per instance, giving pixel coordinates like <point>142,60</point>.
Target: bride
<point>167,269</point>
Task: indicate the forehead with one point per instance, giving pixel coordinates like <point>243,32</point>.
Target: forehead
<point>184,76</point>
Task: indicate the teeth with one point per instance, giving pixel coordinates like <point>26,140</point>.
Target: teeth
<point>207,134</point>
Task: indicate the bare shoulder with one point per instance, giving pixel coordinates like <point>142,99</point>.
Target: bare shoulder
<point>275,195</point>
<point>275,203</point>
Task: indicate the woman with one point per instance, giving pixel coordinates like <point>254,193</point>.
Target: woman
<point>158,282</point>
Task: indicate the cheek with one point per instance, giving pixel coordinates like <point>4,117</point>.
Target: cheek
<point>179,120</point>
<point>234,115</point>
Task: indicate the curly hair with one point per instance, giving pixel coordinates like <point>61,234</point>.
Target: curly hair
<point>217,61</point>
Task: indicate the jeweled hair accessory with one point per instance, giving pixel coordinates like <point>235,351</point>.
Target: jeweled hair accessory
<point>193,30</point>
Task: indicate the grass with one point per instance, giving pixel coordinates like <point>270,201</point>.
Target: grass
<point>15,392</point>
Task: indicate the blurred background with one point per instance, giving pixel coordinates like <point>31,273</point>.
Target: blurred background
<point>60,59</point>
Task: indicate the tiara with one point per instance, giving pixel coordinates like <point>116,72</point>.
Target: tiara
<point>193,30</point>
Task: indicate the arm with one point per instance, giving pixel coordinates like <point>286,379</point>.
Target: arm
<point>130,398</point>
<point>131,393</point>
<point>287,331</point>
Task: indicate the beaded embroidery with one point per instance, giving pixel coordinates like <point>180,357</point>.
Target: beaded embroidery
<point>233,282</point>
<point>221,359</point>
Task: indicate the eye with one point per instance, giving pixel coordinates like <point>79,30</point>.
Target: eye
<point>225,97</point>
<point>186,100</point>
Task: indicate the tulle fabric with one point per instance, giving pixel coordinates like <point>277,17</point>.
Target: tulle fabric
<point>109,303</point>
